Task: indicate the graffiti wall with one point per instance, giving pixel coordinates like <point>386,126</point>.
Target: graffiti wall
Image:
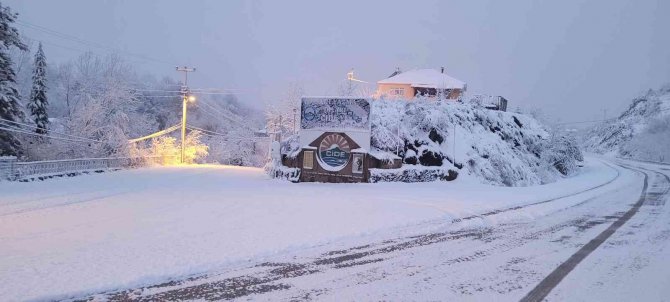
<point>335,114</point>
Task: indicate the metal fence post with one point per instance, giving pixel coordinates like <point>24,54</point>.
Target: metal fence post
<point>7,167</point>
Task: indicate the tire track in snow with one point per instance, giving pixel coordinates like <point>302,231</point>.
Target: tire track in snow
<point>541,290</point>
<point>518,207</point>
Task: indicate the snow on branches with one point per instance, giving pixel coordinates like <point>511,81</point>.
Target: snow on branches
<point>38,103</point>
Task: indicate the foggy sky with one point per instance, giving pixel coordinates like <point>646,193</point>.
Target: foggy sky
<point>571,58</point>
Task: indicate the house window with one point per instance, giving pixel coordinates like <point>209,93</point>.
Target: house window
<point>308,160</point>
<point>397,91</point>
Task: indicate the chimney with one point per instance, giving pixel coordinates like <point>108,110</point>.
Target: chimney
<point>442,69</point>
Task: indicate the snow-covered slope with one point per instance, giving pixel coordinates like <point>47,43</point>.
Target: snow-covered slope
<point>492,146</point>
<point>642,131</point>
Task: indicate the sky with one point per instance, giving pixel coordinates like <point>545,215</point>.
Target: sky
<point>571,59</point>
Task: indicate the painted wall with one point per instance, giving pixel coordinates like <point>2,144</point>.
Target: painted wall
<point>385,90</point>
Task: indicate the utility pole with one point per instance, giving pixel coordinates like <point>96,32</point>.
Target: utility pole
<point>454,143</point>
<point>295,110</point>
<point>280,130</point>
<point>186,97</point>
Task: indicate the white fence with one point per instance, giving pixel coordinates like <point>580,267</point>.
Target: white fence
<point>10,169</point>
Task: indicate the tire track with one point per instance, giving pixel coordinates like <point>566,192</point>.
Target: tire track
<point>541,290</point>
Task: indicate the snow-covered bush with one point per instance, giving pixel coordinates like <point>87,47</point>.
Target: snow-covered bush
<point>412,174</point>
<point>274,166</point>
<point>169,149</point>
<point>652,143</point>
<point>563,153</point>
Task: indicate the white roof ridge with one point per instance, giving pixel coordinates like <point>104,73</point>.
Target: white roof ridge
<point>427,77</point>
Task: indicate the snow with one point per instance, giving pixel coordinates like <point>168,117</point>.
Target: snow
<point>497,147</point>
<point>633,264</point>
<point>426,78</point>
<point>383,155</point>
<point>67,237</point>
<point>640,132</point>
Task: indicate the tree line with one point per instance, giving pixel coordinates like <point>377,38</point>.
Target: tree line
<point>92,105</point>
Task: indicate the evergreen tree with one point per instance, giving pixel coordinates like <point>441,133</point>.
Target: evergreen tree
<point>38,95</point>
<point>9,95</point>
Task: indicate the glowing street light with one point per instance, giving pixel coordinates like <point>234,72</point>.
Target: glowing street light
<point>191,98</point>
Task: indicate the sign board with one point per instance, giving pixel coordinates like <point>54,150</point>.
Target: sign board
<point>335,114</point>
<point>334,151</point>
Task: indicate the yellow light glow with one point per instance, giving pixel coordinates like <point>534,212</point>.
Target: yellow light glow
<point>191,98</point>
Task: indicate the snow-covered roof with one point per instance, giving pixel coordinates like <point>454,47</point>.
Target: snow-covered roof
<point>425,78</point>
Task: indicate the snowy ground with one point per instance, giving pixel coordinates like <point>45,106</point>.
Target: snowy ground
<point>225,232</point>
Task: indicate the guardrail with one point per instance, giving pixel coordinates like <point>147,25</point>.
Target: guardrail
<point>10,169</point>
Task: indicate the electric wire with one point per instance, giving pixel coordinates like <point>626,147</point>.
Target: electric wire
<point>73,38</point>
<point>34,127</point>
<point>47,136</point>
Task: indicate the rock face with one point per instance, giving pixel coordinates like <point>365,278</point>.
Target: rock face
<point>639,132</point>
<point>494,147</point>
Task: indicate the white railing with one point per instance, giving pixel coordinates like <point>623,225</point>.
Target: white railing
<point>14,170</point>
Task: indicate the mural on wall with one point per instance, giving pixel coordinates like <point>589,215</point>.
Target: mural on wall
<point>357,164</point>
<point>335,113</point>
<point>333,152</point>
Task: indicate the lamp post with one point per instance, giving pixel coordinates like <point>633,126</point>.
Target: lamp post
<point>187,97</point>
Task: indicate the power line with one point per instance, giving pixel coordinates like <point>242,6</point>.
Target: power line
<point>53,132</point>
<point>585,122</point>
<point>155,134</point>
<point>156,90</point>
<point>225,115</point>
<point>212,133</point>
<point>48,136</point>
<point>203,130</point>
<point>601,120</point>
<point>217,93</point>
<point>76,39</point>
<point>215,89</point>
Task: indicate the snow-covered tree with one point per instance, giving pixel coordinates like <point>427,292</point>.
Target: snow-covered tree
<point>9,95</point>
<point>168,148</point>
<point>283,117</point>
<point>38,95</point>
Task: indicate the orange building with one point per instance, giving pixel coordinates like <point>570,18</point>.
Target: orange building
<point>429,83</point>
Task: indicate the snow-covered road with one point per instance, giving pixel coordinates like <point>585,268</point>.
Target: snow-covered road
<point>225,232</point>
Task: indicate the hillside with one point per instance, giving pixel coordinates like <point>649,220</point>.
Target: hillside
<point>493,147</point>
<point>642,131</point>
